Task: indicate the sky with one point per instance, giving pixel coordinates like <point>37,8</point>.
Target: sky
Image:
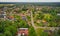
<point>29,0</point>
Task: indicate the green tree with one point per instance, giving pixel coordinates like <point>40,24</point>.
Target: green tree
<point>32,31</point>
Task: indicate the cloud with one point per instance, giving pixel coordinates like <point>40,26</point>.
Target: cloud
<point>29,0</point>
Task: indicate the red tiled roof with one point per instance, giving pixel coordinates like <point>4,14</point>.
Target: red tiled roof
<point>11,17</point>
<point>25,31</point>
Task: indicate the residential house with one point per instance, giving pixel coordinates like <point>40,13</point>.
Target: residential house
<point>23,32</point>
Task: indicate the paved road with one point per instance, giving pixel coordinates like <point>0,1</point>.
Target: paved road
<point>32,21</point>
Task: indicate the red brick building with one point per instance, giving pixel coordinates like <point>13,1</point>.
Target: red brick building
<point>23,32</point>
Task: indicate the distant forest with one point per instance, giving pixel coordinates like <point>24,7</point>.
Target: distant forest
<point>35,3</point>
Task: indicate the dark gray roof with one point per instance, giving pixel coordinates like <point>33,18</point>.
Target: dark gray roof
<point>23,17</point>
<point>1,16</point>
